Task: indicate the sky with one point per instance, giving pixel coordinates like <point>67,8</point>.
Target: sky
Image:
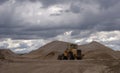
<point>26,25</point>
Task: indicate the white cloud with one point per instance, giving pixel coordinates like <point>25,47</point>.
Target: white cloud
<point>106,36</point>
<point>110,39</point>
<point>21,45</point>
<point>55,10</point>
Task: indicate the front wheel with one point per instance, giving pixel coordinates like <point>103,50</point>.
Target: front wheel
<point>71,56</point>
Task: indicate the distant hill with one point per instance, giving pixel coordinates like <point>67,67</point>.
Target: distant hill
<point>7,54</point>
<point>93,50</point>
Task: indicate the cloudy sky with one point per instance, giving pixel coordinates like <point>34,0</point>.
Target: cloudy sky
<point>26,25</point>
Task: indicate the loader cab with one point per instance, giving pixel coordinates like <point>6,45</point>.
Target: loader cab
<point>72,46</point>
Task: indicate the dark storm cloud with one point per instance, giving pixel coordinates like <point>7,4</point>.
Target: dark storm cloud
<point>31,33</point>
<point>106,20</point>
<point>108,26</point>
<point>75,8</point>
<point>57,14</point>
<point>103,3</point>
<point>108,3</point>
<point>47,3</point>
<point>2,1</point>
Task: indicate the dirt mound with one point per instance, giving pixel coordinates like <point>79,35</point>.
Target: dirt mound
<point>97,54</point>
<point>7,54</point>
<point>48,51</point>
<point>94,46</point>
<point>95,50</point>
<point>52,55</point>
<point>117,54</point>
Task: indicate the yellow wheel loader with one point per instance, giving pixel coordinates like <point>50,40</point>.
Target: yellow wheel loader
<point>71,53</point>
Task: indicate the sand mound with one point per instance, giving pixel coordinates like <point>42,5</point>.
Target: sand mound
<point>95,50</point>
<point>96,54</point>
<point>117,54</point>
<point>7,54</point>
<point>48,51</point>
<point>94,46</point>
<point>52,55</point>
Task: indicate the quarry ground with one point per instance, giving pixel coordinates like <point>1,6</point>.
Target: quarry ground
<point>55,66</point>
